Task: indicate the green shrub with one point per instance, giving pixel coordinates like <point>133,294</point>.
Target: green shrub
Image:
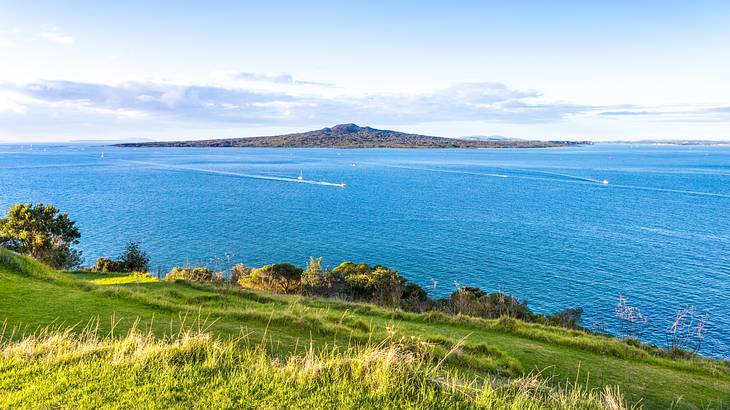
<point>107,265</point>
<point>134,259</point>
<point>238,271</point>
<point>279,277</point>
<point>199,274</point>
<point>475,302</point>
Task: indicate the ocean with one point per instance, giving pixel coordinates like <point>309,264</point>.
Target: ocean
<point>560,227</point>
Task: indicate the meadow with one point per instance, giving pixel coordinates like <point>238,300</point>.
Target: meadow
<point>82,339</point>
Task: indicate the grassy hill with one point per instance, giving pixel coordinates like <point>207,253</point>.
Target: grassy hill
<point>136,341</point>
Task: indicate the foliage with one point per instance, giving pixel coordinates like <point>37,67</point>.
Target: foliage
<point>313,275</point>
<point>281,277</point>
<point>107,265</point>
<point>42,232</point>
<point>134,259</point>
<point>475,302</point>
<point>379,285</point>
<point>568,318</point>
<point>415,298</point>
<point>29,290</point>
<point>199,274</point>
<point>238,272</point>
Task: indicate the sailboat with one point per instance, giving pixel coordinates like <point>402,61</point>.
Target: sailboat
<point>301,176</point>
<point>102,154</point>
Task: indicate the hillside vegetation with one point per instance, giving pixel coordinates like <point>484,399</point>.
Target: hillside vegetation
<point>353,136</point>
<point>81,339</point>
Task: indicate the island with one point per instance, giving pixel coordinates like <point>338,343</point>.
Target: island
<point>353,136</point>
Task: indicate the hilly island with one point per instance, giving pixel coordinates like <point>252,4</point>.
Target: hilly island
<point>353,136</point>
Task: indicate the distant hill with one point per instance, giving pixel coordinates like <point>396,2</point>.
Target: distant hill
<point>671,142</point>
<point>353,136</point>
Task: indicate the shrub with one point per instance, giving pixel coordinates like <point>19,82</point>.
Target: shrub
<point>378,284</point>
<point>134,259</point>
<point>107,265</point>
<point>475,302</point>
<point>415,298</point>
<point>312,277</point>
<point>280,277</point>
<point>238,271</point>
<point>567,318</point>
<point>200,274</point>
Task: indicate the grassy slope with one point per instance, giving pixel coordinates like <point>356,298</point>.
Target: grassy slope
<point>32,297</point>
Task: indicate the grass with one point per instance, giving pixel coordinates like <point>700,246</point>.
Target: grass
<point>289,328</point>
<point>195,370</point>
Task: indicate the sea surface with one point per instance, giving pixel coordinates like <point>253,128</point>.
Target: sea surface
<point>537,223</point>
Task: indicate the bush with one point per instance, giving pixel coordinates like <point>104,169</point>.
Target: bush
<point>567,318</point>
<point>199,274</point>
<point>280,277</point>
<point>107,265</point>
<point>134,259</point>
<point>475,302</point>
<point>313,275</point>
<point>415,298</point>
<point>378,284</point>
<point>238,271</point>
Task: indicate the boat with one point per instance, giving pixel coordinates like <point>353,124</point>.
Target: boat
<point>102,155</point>
<point>301,176</point>
<point>604,182</point>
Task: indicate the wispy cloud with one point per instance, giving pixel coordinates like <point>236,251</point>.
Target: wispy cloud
<point>696,113</point>
<point>220,105</point>
<point>54,34</point>
<point>271,78</point>
<point>469,101</point>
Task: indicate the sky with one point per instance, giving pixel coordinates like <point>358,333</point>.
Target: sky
<point>619,70</point>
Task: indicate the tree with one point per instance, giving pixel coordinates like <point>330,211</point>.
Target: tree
<point>42,232</point>
<point>312,277</point>
<point>134,259</point>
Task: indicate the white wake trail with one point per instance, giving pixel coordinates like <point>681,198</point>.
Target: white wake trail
<point>239,174</point>
<point>566,179</point>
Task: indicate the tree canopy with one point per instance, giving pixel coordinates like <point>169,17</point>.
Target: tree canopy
<point>42,232</point>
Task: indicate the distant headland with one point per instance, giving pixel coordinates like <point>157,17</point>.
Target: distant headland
<point>353,136</point>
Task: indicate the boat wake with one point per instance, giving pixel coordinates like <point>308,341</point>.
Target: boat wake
<point>566,176</point>
<point>239,174</point>
<point>521,173</point>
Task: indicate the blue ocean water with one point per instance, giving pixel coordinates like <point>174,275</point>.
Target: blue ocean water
<point>537,223</point>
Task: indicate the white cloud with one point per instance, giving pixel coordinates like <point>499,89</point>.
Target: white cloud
<point>6,43</point>
<point>53,34</point>
<point>12,103</point>
<point>142,105</point>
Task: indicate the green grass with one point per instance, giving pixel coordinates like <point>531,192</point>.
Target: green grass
<point>32,297</point>
<point>193,370</point>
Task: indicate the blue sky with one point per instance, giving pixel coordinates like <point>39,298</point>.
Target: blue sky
<point>547,70</point>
